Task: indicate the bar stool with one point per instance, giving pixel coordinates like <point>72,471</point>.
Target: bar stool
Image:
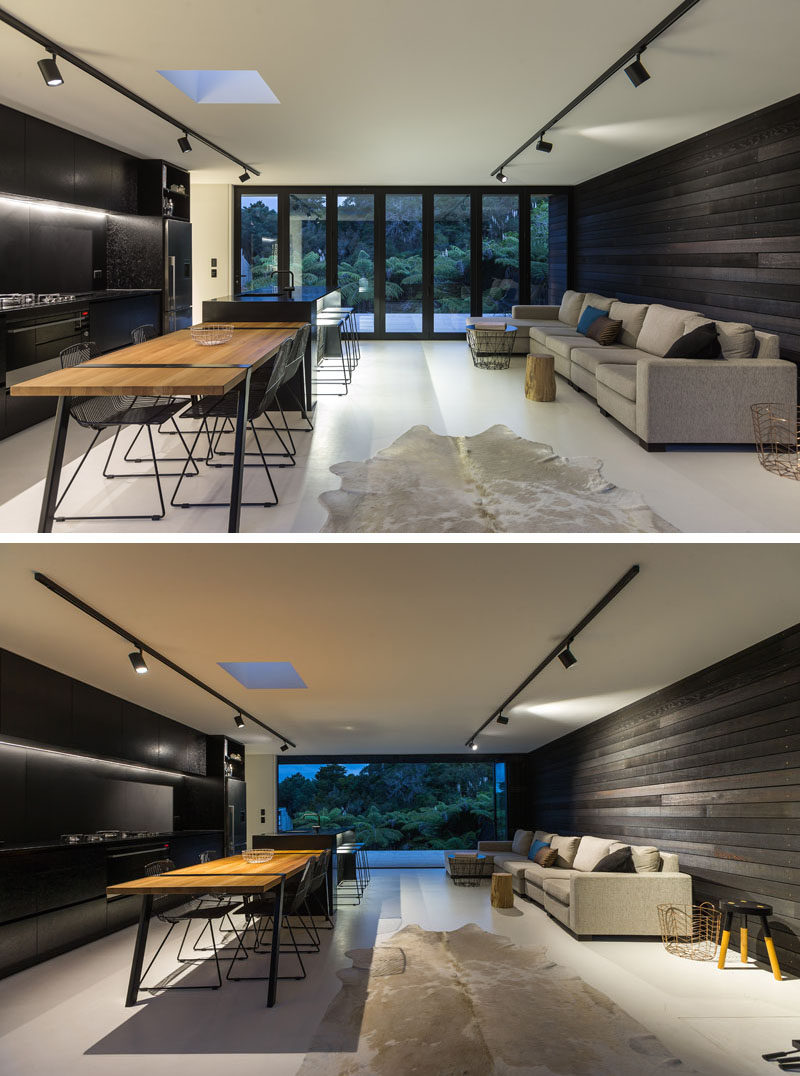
<point>745,908</point>
<point>351,326</point>
<point>334,322</point>
<point>355,856</point>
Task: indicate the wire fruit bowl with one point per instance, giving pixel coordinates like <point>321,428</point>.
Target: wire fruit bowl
<point>208,335</point>
<point>258,855</point>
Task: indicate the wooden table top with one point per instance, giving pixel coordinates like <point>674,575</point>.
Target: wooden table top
<point>173,364</point>
<point>259,324</point>
<point>230,875</point>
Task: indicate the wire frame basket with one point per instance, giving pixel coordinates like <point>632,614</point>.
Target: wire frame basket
<point>776,429</point>
<point>491,348</point>
<point>690,930</point>
<point>258,855</point>
<point>208,335</point>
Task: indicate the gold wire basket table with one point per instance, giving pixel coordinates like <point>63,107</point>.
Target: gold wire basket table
<point>777,433</point>
<point>690,930</point>
<point>491,345</point>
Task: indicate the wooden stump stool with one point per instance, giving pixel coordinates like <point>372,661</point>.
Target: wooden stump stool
<point>540,378</point>
<point>502,891</point>
<point>745,908</point>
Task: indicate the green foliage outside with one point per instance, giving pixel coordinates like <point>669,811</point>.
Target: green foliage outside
<point>404,283</point>
<point>398,805</point>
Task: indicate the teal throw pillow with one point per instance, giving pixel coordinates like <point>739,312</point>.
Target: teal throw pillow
<point>535,848</point>
<point>590,314</point>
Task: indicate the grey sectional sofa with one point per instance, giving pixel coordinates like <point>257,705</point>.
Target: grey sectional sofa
<point>663,401</point>
<point>586,901</point>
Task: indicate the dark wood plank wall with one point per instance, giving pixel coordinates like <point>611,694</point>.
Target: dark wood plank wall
<point>708,768</point>
<point>712,224</point>
<point>558,231</point>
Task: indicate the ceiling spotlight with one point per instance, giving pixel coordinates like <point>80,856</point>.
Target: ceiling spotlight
<point>238,721</point>
<point>184,143</point>
<point>243,178</point>
<point>473,746</point>
<point>567,658</point>
<point>138,662</point>
<point>502,719</point>
<point>637,72</point>
<point>502,177</point>
<point>544,147</point>
<point>284,747</point>
<point>50,72</point>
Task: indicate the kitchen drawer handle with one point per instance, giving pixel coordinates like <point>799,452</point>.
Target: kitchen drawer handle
<point>139,852</point>
<point>45,325</point>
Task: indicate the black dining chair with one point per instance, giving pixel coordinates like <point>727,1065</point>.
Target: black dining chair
<point>199,914</point>
<point>142,333</point>
<point>101,413</point>
<point>264,384</point>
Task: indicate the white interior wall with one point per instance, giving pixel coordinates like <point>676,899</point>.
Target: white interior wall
<point>212,224</point>
<point>261,773</point>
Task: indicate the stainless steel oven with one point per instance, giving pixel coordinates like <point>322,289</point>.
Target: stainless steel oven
<point>129,861</point>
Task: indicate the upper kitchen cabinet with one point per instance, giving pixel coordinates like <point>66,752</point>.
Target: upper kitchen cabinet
<point>104,177</point>
<point>49,161</point>
<point>140,734</point>
<point>35,702</point>
<point>163,190</point>
<point>96,721</point>
<point>12,154</point>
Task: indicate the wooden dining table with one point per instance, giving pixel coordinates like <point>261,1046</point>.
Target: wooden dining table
<point>231,876</point>
<point>169,365</point>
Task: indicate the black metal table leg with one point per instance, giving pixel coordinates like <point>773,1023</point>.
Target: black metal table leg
<point>53,478</point>
<point>138,950</point>
<point>238,455</point>
<point>272,986</point>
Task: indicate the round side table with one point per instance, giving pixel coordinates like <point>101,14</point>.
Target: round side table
<point>540,378</point>
<point>745,908</point>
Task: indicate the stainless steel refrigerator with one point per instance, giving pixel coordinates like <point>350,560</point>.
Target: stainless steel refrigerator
<point>235,816</point>
<point>177,275</point>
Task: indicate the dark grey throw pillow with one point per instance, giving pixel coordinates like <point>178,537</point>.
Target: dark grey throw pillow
<point>620,862</point>
<point>700,343</point>
<point>604,330</point>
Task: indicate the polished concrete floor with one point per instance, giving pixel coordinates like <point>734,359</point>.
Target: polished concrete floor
<point>67,1017</point>
<point>400,384</point>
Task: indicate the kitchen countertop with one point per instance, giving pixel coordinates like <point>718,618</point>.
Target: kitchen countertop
<point>56,845</point>
<point>81,298</point>
<point>306,294</point>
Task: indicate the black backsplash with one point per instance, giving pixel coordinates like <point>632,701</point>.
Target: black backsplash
<point>135,252</point>
<point>50,249</point>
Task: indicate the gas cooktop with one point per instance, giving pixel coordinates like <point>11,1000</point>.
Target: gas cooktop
<point>105,835</point>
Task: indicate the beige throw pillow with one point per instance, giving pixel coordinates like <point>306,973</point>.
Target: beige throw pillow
<point>567,848</point>
<point>737,340</point>
<point>646,859</point>
<point>661,327</point>
<point>523,839</point>
<point>590,851</point>
<point>570,309</point>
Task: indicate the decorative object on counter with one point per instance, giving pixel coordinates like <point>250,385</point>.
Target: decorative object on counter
<point>258,855</point>
<point>492,482</point>
<point>386,995</point>
<point>209,335</point>
<point>777,434</point>
<point>690,930</point>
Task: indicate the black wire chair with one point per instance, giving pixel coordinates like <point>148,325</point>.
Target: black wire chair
<point>262,908</point>
<point>100,413</point>
<point>218,409</point>
<point>201,913</point>
<point>142,333</point>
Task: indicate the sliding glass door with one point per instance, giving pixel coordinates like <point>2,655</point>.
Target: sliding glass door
<point>403,279</point>
<point>499,253</point>
<point>355,215</point>
<point>308,239</point>
<point>452,246</point>
<point>258,243</point>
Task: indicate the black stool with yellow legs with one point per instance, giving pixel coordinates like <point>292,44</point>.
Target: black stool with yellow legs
<point>745,908</point>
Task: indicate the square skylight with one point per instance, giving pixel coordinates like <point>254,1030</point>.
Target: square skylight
<point>222,87</point>
<point>259,675</point>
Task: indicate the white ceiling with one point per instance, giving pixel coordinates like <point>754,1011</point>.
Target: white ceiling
<point>404,647</point>
<point>415,91</point>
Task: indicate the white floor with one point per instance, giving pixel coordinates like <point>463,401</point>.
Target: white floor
<point>397,385</point>
<point>67,1017</point>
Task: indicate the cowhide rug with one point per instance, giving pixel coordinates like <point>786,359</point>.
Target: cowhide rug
<point>470,1003</point>
<point>493,482</point>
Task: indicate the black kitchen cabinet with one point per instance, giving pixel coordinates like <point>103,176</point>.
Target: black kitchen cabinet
<point>111,323</point>
<point>18,887</point>
<point>66,927</point>
<point>93,170</point>
<point>96,721</point>
<point>12,796</point>
<point>59,883</point>
<point>35,702</point>
<point>12,158</point>
<point>140,734</point>
<point>49,161</point>
<point>18,944</point>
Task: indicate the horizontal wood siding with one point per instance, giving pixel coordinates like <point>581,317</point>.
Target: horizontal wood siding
<point>558,231</point>
<point>712,224</point>
<point>708,768</point>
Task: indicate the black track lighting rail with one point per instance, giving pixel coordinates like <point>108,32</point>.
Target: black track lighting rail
<point>569,638</point>
<point>101,618</point>
<point>64,54</point>
<point>632,54</point>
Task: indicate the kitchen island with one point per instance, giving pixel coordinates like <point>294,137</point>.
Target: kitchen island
<point>303,304</point>
<point>310,840</point>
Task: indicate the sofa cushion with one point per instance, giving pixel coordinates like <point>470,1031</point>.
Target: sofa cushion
<point>546,856</point>
<point>535,874</point>
<point>617,844</point>
<point>646,859</point>
<point>567,848</point>
<point>539,333</point>
<point>521,843</point>
<point>632,317</point>
<point>618,377</point>
<point>591,358</point>
<point>536,846</point>
<point>737,340</point>
<point>540,835</point>
<point>571,305</point>
<point>563,343</point>
<point>589,314</point>
<point>558,889</point>
<point>701,342</point>
<point>604,330</point>
<point>599,302</point>
<point>661,327</point>
<point>590,851</point>
<point>514,865</point>
<point>619,861</point>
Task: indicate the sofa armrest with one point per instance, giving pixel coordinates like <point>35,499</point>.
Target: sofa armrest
<point>494,846</point>
<point>535,313</point>
<point>603,903</point>
<point>707,401</point>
